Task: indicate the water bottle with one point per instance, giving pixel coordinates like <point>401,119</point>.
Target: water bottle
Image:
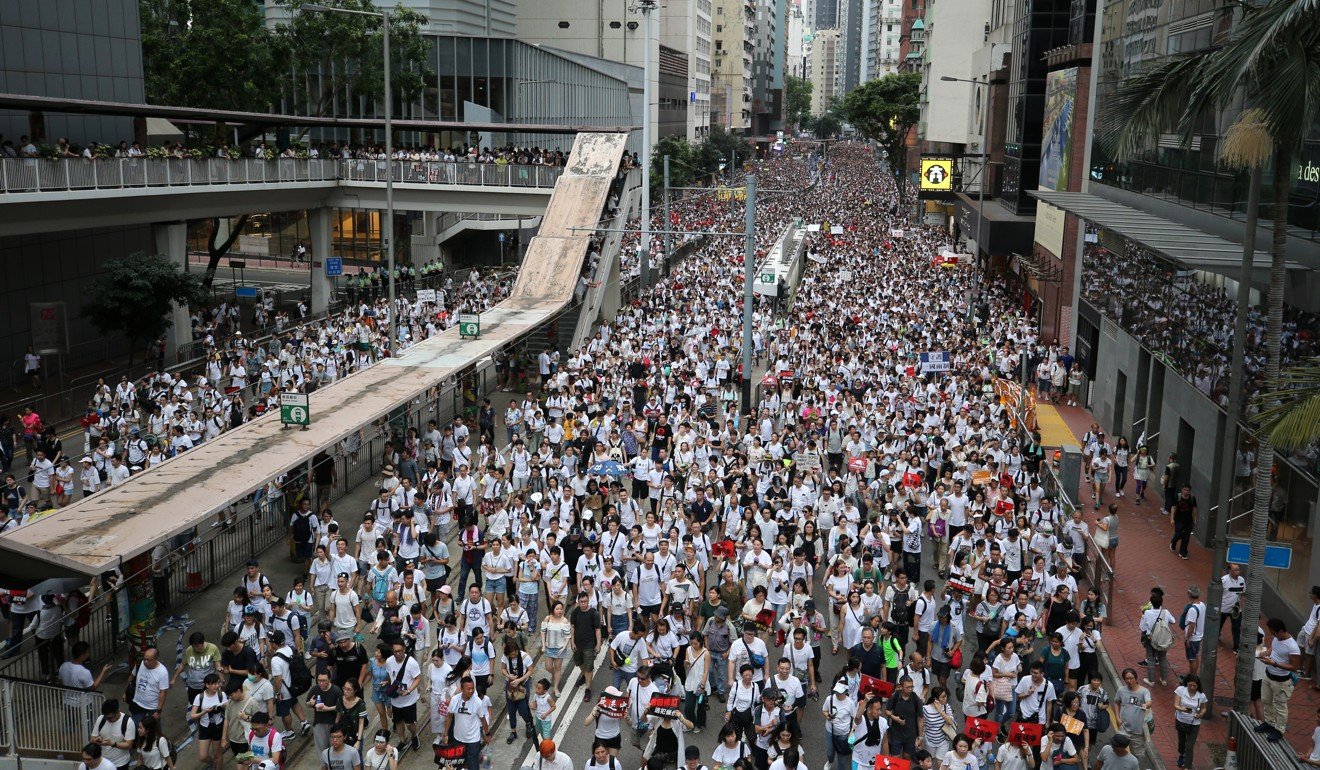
<point>485,759</point>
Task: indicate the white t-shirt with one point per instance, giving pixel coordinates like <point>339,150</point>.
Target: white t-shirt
<point>411,670</point>
<point>467,717</point>
<point>151,683</point>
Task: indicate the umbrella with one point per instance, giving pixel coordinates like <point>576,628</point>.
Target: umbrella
<point>606,468</point>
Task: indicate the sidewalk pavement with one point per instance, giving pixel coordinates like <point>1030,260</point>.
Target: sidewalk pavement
<point>1143,560</point>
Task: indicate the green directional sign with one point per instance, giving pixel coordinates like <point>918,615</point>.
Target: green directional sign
<point>768,278</point>
<point>294,409</point>
<point>469,325</point>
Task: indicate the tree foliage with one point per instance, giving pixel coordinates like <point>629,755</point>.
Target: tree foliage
<point>135,295</point>
<point>682,167</point>
<point>885,111</point>
<point>344,53</point>
<point>689,163</point>
<point>212,54</point>
<point>797,100</point>
<point>827,125</point>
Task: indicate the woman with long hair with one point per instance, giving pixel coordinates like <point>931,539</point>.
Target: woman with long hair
<point>207,711</point>
<point>555,632</point>
<point>937,714</point>
<point>380,676</point>
<point>153,749</point>
<point>351,713</point>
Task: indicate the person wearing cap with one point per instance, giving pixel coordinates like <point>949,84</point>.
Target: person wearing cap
<point>840,712</point>
<point>89,480</point>
<point>348,661</point>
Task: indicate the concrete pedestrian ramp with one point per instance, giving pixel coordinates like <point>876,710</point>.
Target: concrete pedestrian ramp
<point>103,531</point>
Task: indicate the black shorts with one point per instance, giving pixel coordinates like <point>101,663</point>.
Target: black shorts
<point>435,584</point>
<point>405,714</point>
<point>612,743</point>
<point>210,732</point>
<point>1255,689</point>
<point>237,748</point>
<point>650,609</point>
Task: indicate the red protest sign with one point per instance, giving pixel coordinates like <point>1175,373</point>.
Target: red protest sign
<point>665,706</point>
<point>449,755</point>
<point>981,729</point>
<point>873,684</point>
<point>1025,733</point>
<point>888,762</point>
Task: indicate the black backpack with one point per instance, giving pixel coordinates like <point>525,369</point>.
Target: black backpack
<point>302,527</point>
<point>300,678</point>
<point>901,612</point>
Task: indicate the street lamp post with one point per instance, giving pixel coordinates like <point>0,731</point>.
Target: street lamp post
<point>985,140</point>
<point>646,7</point>
<point>384,16</point>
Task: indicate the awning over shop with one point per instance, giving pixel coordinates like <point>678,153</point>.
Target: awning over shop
<point>1005,232</point>
<point>1196,249</point>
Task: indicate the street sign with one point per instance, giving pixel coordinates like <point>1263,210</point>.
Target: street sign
<point>935,362</point>
<point>768,279</point>
<point>1277,555</point>
<point>334,267</point>
<point>294,409</point>
<point>245,291</point>
<point>469,325</point>
<point>501,237</point>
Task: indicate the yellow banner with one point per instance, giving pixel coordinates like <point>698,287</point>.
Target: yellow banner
<point>937,174</point>
<point>731,194</point>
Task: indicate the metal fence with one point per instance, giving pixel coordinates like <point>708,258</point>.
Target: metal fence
<point>421,172</point>
<point>1254,752</point>
<point>41,720</point>
<point>19,175</point>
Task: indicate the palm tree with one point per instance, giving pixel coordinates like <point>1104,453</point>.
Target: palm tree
<point>1271,65</point>
<point>1290,413</point>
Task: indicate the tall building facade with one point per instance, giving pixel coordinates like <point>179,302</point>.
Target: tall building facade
<point>851,22</point>
<point>481,18</point>
<point>686,25</point>
<point>824,68</point>
<point>768,56</point>
<point>881,38</point>
<point>731,77</point>
<point>947,109</point>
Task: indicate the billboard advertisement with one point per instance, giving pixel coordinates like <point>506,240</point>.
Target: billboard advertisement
<point>1056,141</point>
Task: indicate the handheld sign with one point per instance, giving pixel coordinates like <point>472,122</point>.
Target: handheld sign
<point>981,729</point>
<point>615,706</point>
<point>1025,733</point>
<point>876,685</point>
<point>1072,724</point>
<point>668,706</point>
<point>449,755</point>
<point>889,762</point>
<point>935,361</point>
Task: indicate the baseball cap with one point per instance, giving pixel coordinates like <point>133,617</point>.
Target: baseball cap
<point>841,687</point>
<point>721,612</point>
<point>343,636</point>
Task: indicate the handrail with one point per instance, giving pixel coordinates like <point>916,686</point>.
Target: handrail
<point>40,175</point>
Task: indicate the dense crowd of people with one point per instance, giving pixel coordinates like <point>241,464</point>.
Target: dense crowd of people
<point>867,539</point>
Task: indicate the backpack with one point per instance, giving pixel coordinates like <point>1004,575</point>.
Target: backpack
<point>302,528</point>
<point>380,585</point>
<point>1161,636</point>
<point>300,678</point>
<point>901,613</point>
<point>123,726</point>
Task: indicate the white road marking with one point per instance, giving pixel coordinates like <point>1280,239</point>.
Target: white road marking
<point>569,706</point>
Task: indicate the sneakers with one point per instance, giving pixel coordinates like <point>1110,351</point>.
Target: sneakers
<point>1147,682</point>
<point>586,695</point>
<point>287,735</point>
<point>305,728</point>
<point>416,744</point>
<point>1181,761</point>
<point>1263,727</point>
<point>513,736</point>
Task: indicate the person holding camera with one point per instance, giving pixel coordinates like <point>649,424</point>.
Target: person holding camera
<point>208,711</point>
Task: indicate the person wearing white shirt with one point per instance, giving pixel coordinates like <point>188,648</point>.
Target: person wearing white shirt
<point>1035,694</point>
<point>1193,626</point>
<point>839,712</point>
<point>1283,658</point>
<point>469,719</point>
<point>1155,659</point>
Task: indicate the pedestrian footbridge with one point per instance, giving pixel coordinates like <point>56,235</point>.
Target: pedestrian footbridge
<point>41,195</point>
<point>110,528</point>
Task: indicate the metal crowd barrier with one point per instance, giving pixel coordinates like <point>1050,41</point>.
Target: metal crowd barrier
<point>46,721</point>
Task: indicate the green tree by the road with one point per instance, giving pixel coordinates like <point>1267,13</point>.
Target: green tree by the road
<point>826,125</point>
<point>212,54</point>
<point>681,166</point>
<point>134,297</point>
<point>797,101</point>
<point>886,110</point>
<point>346,51</point>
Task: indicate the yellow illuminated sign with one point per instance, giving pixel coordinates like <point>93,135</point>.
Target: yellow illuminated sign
<point>937,174</point>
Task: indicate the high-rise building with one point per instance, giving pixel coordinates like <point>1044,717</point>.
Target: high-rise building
<point>824,69</point>
<point>731,78</point>
<point>826,13</point>
<point>851,21</point>
<point>797,43</point>
<point>768,66</point>
<point>686,25</point>
<point>947,109</point>
<point>882,33</point>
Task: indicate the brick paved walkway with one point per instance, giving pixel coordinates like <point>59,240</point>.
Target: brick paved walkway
<point>1143,560</point>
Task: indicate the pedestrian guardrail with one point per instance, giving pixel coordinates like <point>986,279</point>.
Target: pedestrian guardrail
<point>1254,751</point>
<point>46,721</point>
<point>29,175</point>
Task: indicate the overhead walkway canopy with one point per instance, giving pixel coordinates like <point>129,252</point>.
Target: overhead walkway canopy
<point>99,532</point>
<point>1194,248</point>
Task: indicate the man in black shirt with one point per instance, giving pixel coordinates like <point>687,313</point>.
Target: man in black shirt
<point>1182,515</point>
<point>236,660</point>
<point>903,712</point>
<point>585,639</point>
<point>869,655</point>
<point>348,660</point>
